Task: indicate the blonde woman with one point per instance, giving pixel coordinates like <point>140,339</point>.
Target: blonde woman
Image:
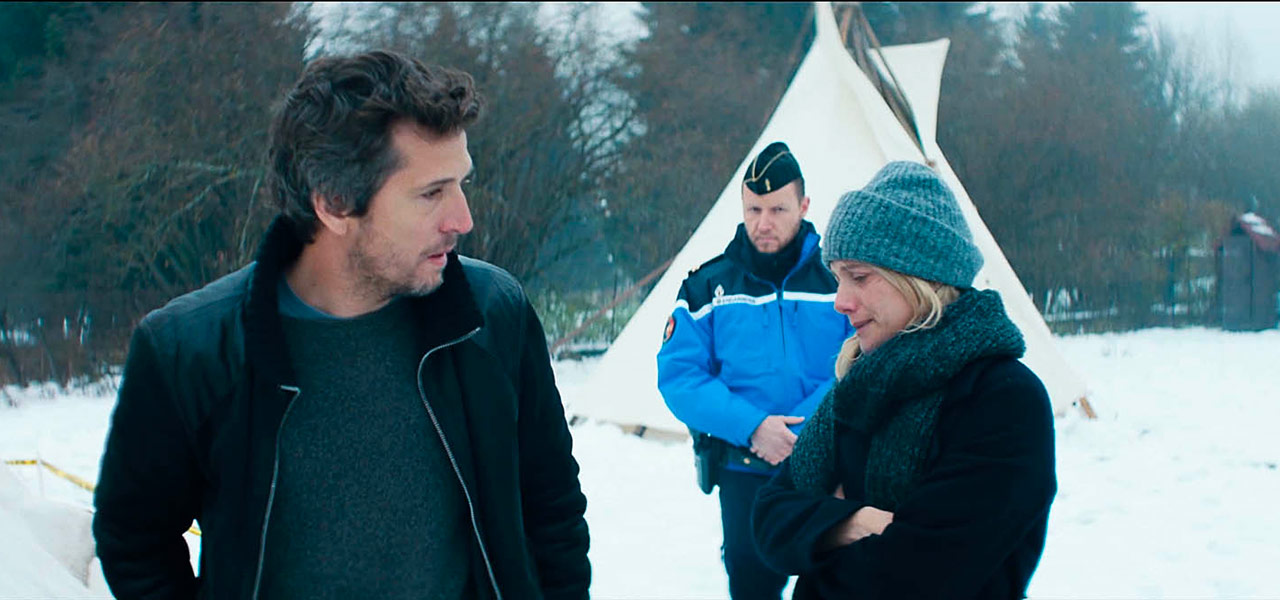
<point>928,470</point>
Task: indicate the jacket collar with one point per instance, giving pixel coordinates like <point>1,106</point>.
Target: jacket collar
<point>447,314</point>
<point>743,253</point>
<point>451,312</point>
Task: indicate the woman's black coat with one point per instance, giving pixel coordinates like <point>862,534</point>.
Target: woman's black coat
<point>973,525</point>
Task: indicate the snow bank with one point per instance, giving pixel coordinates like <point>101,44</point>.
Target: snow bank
<point>47,549</point>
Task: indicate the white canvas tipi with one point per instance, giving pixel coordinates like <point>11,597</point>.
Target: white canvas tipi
<point>841,131</point>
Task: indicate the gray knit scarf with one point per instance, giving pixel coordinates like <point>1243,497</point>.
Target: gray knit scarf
<point>893,395</point>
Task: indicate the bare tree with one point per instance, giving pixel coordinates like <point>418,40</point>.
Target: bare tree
<point>155,189</point>
<point>705,78</point>
<point>551,135</point>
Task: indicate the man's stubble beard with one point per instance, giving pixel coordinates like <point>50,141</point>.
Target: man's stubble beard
<point>369,269</point>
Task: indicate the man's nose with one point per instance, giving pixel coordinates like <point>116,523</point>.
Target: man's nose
<point>458,218</point>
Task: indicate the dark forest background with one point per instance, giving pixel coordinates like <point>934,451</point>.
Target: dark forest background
<point>1107,159</point>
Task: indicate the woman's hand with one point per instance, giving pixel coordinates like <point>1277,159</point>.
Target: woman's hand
<point>868,520</point>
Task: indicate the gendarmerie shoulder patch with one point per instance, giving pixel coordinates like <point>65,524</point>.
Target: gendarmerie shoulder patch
<point>669,330</point>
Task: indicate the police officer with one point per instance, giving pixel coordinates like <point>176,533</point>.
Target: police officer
<point>749,352</point>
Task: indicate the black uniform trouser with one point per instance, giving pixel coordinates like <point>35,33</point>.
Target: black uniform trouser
<point>749,577</point>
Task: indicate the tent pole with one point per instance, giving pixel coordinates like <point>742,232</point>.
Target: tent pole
<point>900,104</point>
<point>1087,408</point>
<point>861,41</point>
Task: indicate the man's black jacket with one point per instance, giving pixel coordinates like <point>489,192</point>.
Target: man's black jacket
<point>206,386</point>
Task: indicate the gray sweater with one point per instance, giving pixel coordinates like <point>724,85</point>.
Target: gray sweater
<point>366,503</point>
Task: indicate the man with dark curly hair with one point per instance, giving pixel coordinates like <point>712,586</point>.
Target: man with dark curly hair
<point>361,412</point>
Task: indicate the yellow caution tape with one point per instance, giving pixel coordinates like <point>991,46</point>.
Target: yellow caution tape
<point>78,481</point>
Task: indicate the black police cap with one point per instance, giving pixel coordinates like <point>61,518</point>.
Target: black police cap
<point>772,169</point>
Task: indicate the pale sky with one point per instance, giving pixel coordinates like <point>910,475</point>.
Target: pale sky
<point>1247,32</point>
<point>1243,37</point>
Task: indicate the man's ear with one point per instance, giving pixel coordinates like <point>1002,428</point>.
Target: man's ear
<point>804,206</point>
<point>330,219</point>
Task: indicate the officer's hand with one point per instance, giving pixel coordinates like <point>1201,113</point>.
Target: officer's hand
<point>772,440</point>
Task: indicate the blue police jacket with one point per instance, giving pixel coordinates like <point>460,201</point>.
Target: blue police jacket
<point>738,348</point>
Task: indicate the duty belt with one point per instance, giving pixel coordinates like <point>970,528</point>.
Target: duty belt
<point>740,458</point>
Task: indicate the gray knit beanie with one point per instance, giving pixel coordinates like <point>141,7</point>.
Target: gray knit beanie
<point>905,220</point>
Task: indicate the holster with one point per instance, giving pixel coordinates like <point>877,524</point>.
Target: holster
<point>709,456</point>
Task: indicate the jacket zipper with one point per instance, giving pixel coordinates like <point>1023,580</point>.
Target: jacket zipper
<point>778,291</point>
<point>271,497</point>
<point>782,315</point>
<point>453,461</point>
<point>782,319</point>
<point>781,288</point>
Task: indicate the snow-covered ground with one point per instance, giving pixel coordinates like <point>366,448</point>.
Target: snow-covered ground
<point>1172,493</point>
